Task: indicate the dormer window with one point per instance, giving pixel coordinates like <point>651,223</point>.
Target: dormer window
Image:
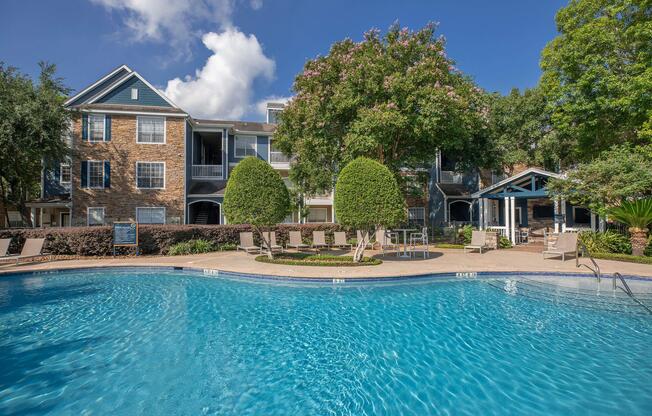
<point>134,93</point>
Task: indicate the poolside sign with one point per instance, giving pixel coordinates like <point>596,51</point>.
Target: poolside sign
<point>125,234</point>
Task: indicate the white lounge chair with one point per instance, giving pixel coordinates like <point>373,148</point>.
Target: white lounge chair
<point>296,241</point>
<point>4,246</point>
<point>271,237</point>
<point>478,241</point>
<point>339,238</point>
<point>319,240</point>
<point>566,244</point>
<point>247,243</point>
<point>32,248</point>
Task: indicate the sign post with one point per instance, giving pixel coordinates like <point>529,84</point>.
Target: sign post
<point>125,234</point>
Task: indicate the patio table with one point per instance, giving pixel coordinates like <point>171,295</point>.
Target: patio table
<point>405,243</point>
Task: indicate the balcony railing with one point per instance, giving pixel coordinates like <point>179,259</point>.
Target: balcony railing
<point>448,176</point>
<point>278,157</point>
<point>207,171</point>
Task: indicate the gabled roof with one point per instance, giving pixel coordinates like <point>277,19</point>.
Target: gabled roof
<point>515,179</point>
<point>111,82</point>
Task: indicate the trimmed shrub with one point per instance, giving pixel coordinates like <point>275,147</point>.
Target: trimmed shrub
<point>307,259</point>
<point>503,242</point>
<point>606,242</point>
<point>192,247</point>
<point>367,195</point>
<point>153,239</point>
<point>465,234</point>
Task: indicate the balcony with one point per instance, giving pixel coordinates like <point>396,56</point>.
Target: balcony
<point>207,172</point>
<point>448,176</point>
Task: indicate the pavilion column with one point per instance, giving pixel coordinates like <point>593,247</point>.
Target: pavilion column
<point>512,228</point>
<point>556,210</point>
<point>507,217</point>
<point>593,222</point>
<point>33,217</point>
<point>563,214</point>
<point>485,204</point>
<point>481,213</point>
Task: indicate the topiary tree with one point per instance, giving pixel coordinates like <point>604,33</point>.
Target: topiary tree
<point>367,196</point>
<point>255,194</point>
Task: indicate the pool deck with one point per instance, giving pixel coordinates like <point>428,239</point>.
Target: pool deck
<point>440,261</point>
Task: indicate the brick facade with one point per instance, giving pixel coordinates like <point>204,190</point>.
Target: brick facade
<point>123,197</point>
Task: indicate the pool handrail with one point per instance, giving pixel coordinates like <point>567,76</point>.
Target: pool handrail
<point>625,288</point>
<point>585,252</point>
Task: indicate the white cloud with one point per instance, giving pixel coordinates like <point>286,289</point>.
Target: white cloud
<point>223,87</point>
<point>260,107</point>
<point>256,4</point>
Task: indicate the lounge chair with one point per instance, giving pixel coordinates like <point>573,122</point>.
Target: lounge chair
<point>4,246</point>
<point>340,240</point>
<point>359,237</point>
<point>296,241</point>
<point>478,241</point>
<point>387,241</point>
<point>33,248</point>
<point>247,243</point>
<point>319,240</point>
<point>271,237</point>
<point>566,244</point>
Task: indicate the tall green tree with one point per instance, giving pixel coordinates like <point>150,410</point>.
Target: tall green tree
<point>521,131</point>
<point>621,173</point>
<point>33,128</point>
<point>597,75</point>
<point>395,98</point>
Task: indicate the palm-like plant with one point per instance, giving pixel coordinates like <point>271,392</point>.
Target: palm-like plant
<point>637,215</point>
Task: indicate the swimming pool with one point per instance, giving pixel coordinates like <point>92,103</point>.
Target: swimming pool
<point>160,341</point>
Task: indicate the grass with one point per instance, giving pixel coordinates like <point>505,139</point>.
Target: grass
<point>448,245</point>
<point>623,257</point>
<point>309,259</point>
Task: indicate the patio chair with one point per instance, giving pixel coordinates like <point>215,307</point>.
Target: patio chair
<point>247,243</point>
<point>339,238</point>
<point>296,241</point>
<point>359,237</point>
<point>319,240</point>
<point>566,244</point>
<point>419,242</point>
<point>32,248</point>
<point>388,241</point>
<point>4,246</point>
<point>271,237</point>
<point>478,241</point>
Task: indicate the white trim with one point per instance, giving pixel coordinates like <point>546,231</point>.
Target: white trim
<point>122,81</point>
<point>164,214</point>
<point>149,161</point>
<point>139,113</point>
<point>88,126</point>
<point>61,218</point>
<point>514,178</point>
<point>235,145</point>
<point>88,224</point>
<point>252,133</point>
<point>219,217</point>
<point>88,174</point>
<point>205,195</point>
<point>165,133</point>
<point>61,165</point>
<point>96,83</point>
<point>134,93</point>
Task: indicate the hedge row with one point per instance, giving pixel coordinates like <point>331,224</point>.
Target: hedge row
<point>153,239</point>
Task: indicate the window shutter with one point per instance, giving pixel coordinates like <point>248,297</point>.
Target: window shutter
<point>84,174</point>
<point>107,128</point>
<point>57,173</point>
<point>107,174</point>
<point>84,127</point>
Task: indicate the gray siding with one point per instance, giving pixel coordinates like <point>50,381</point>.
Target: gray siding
<point>122,95</point>
<point>96,90</point>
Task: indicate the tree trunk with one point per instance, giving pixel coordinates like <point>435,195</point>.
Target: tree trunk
<point>638,237</point>
<point>266,242</point>
<point>358,255</point>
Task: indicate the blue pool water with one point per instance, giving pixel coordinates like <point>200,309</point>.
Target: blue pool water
<point>165,342</point>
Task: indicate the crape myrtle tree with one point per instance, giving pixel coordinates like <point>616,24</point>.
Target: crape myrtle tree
<point>256,195</point>
<point>367,196</point>
<point>33,129</point>
<point>597,76</point>
<point>395,98</point>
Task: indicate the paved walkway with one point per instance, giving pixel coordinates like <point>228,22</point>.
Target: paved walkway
<point>441,260</point>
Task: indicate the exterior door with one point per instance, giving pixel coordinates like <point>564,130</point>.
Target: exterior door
<point>65,219</point>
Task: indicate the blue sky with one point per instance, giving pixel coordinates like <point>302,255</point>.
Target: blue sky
<point>248,51</point>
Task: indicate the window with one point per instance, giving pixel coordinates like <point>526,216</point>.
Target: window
<point>96,127</point>
<point>245,146</point>
<point>134,93</point>
<point>272,115</point>
<point>150,175</point>
<point>150,215</point>
<point>95,173</point>
<point>151,130</point>
<point>65,173</point>
<point>417,216</point>
<point>95,216</point>
<point>581,215</point>
<point>318,215</point>
<point>543,211</point>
